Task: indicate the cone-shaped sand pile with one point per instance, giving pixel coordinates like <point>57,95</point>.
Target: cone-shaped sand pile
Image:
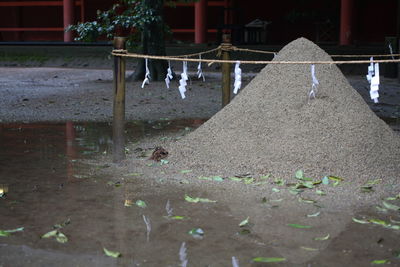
<point>272,127</point>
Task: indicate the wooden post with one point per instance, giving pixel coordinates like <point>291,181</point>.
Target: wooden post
<point>226,70</point>
<point>68,18</point>
<point>200,22</point>
<point>119,102</point>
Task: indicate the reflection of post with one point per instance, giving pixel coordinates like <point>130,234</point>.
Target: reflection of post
<point>70,149</point>
<point>226,70</point>
<point>119,102</point>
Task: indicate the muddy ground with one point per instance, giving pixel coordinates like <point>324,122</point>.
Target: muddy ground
<point>56,162</point>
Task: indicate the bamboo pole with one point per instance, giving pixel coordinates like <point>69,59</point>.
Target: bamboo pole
<point>226,70</point>
<point>119,102</point>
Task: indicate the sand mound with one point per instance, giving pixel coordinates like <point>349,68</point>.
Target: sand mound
<point>272,127</point>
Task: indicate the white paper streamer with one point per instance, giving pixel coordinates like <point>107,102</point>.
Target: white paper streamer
<point>238,78</point>
<point>315,83</point>
<point>183,255</point>
<point>182,81</point>
<point>370,70</point>
<point>235,262</point>
<point>391,50</point>
<point>200,71</point>
<point>169,76</point>
<point>148,227</point>
<point>168,209</point>
<point>147,75</point>
<point>375,84</point>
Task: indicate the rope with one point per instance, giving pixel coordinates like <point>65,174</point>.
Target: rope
<point>385,55</point>
<point>252,50</point>
<point>200,53</point>
<point>124,53</point>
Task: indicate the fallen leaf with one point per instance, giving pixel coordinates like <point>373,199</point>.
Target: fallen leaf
<point>314,215</point>
<point>114,254</point>
<point>322,238</point>
<point>309,249</point>
<point>390,206</point>
<point>276,190</point>
<point>141,203</point>
<point>186,171</point>
<point>380,261</point>
<point>295,225</point>
<point>325,180</point>
<point>359,221</point>
<point>197,200</point>
<point>309,201</point>
<point>299,174</point>
<point>268,260</point>
<point>244,222</point>
<point>321,193</point>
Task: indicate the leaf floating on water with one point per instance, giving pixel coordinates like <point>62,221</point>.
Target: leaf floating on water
<point>268,260</point>
<point>314,215</point>
<point>186,171</point>
<point>197,200</point>
<point>359,221</point>
<point>390,206</point>
<point>309,249</point>
<point>322,238</point>
<point>295,225</point>
<point>380,262</point>
<point>113,254</point>
<point>141,203</point>
<point>244,222</point>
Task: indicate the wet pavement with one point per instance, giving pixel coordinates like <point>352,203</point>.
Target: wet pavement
<point>51,186</point>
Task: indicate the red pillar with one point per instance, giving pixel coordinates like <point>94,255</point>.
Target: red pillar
<point>68,14</point>
<point>200,22</point>
<point>346,12</point>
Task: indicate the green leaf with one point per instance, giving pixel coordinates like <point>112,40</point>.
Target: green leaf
<point>390,206</point>
<point>359,221</point>
<point>299,174</point>
<point>379,222</point>
<point>52,233</point>
<point>244,222</point>
<point>309,201</point>
<point>197,200</point>
<point>325,180</point>
<point>244,232</point>
<point>377,181</point>
<point>248,180</point>
<point>321,193</point>
<point>309,249</point>
<point>235,179</point>
<point>381,209</point>
<point>4,233</point>
<point>218,178</point>
<point>295,225</point>
<point>163,162</point>
<point>205,178</point>
<point>134,174</point>
<point>335,178</point>
<point>314,215</point>
<point>380,261</point>
<point>322,238</point>
<point>196,232</point>
<point>61,238</point>
<point>265,176</point>
<point>20,229</point>
<point>279,181</point>
<point>114,254</point>
<point>276,190</point>
<point>186,171</point>
<point>176,217</point>
<point>268,260</point>
<point>141,203</point>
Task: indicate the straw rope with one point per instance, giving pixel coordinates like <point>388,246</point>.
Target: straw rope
<point>124,53</point>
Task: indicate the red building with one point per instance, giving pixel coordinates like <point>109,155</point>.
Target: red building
<point>342,22</point>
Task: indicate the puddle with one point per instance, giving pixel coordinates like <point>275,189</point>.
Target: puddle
<point>40,167</point>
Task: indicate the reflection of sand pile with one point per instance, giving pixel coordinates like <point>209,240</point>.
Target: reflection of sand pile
<point>271,128</point>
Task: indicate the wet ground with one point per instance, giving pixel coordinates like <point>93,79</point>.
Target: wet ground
<point>55,180</point>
